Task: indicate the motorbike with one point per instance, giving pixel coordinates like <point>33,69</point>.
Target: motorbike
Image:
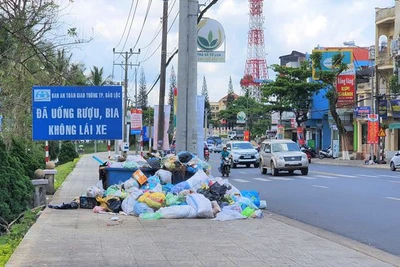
<point>226,166</point>
<point>326,153</point>
<point>310,150</point>
<point>308,153</point>
<point>206,154</point>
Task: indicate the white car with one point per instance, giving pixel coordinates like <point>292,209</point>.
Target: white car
<point>395,161</point>
<point>243,153</point>
<point>282,155</point>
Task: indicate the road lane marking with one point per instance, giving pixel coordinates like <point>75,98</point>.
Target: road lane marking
<point>320,186</point>
<point>243,172</point>
<point>280,178</point>
<point>390,176</point>
<point>393,198</point>
<point>241,180</point>
<point>263,179</point>
<point>305,178</point>
<point>326,177</point>
<point>324,174</point>
<point>366,175</point>
<point>396,182</point>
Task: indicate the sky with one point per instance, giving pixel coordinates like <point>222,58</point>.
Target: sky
<point>289,25</point>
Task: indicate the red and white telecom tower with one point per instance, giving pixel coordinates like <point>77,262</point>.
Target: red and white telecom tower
<point>256,64</point>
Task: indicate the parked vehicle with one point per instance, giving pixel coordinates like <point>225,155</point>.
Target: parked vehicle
<point>226,166</point>
<point>243,153</point>
<point>395,161</point>
<point>282,155</point>
<point>326,153</point>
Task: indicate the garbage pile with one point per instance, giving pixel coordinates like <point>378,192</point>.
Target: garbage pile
<point>157,197</point>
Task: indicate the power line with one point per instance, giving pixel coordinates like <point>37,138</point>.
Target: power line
<point>130,26</point>
<point>126,24</point>
<point>144,22</point>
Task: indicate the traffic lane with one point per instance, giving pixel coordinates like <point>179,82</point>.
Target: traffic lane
<point>368,173</point>
<point>336,205</point>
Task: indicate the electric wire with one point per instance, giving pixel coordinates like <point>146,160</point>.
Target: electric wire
<point>126,24</point>
<point>130,26</point>
<point>144,23</point>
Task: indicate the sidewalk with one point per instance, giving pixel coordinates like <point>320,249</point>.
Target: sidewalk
<point>354,163</point>
<point>83,238</point>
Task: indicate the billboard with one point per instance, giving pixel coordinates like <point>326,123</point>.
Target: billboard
<point>136,121</point>
<point>326,60</point>
<point>77,112</point>
<point>210,37</point>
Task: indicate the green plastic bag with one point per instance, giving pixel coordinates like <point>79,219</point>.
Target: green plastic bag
<point>247,212</point>
<point>171,199</point>
<point>150,216</point>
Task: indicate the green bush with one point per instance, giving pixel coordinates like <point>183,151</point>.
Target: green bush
<point>31,155</point>
<point>67,152</point>
<point>16,189</point>
<point>54,149</point>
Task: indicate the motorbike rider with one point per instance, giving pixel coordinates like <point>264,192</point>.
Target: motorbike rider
<point>224,153</point>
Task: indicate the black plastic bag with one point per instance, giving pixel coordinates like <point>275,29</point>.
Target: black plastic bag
<point>184,157</point>
<point>114,204</point>
<point>65,206</point>
<point>208,194</point>
<point>218,189</point>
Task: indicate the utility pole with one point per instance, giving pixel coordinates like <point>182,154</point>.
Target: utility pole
<point>161,100</point>
<point>125,138</point>
<point>186,134</point>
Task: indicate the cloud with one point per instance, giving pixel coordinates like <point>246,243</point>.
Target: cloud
<point>288,25</point>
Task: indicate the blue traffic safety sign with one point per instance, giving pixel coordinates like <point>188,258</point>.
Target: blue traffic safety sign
<point>77,112</point>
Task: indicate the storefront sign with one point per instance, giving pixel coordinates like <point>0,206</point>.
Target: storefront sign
<point>362,112</point>
<point>373,129</point>
<point>345,90</point>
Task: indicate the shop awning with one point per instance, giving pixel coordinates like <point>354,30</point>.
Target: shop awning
<point>394,125</point>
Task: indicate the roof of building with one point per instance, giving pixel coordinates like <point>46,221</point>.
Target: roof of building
<point>236,96</point>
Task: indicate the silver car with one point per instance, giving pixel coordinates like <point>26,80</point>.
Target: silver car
<point>395,161</point>
<point>243,153</point>
<point>282,155</point>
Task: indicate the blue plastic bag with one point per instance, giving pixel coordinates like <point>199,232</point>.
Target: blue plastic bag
<point>252,195</point>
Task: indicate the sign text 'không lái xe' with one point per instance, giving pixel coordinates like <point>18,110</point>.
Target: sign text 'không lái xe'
<point>77,112</point>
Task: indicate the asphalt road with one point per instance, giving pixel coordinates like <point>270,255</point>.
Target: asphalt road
<point>359,203</point>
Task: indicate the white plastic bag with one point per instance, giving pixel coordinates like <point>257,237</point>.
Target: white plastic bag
<point>177,212</point>
<point>127,205</point>
<point>201,204</point>
<point>198,180</point>
<point>165,176</point>
<point>229,215</point>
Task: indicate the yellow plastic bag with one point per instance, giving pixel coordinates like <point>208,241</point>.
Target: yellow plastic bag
<point>154,200</point>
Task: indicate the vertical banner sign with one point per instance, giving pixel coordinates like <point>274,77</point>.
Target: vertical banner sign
<point>167,111</point>
<point>373,129</point>
<point>76,112</point>
<point>300,136</point>
<point>345,90</point>
<point>136,121</point>
<point>395,109</point>
<point>383,109</point>
<point>1,121</point>
<point>246,136</point>
<point>280,133</point>
<point>200,99</point>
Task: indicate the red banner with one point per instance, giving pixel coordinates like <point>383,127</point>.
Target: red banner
<point>300,136</point>
<point>373,129</point>
<point>345,90</point>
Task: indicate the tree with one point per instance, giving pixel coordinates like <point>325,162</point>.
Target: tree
<point>329,78</point>
<point>142,94</point>
<point>231,93</point>
<point>96,77</point>
<point>291,91</point>
<point>204,92</point>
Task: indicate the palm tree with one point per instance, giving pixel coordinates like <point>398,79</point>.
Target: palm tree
<point>96,76</point>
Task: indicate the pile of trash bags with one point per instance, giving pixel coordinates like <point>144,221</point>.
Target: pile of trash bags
<point>182,162</point>
<point>155,197</point>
